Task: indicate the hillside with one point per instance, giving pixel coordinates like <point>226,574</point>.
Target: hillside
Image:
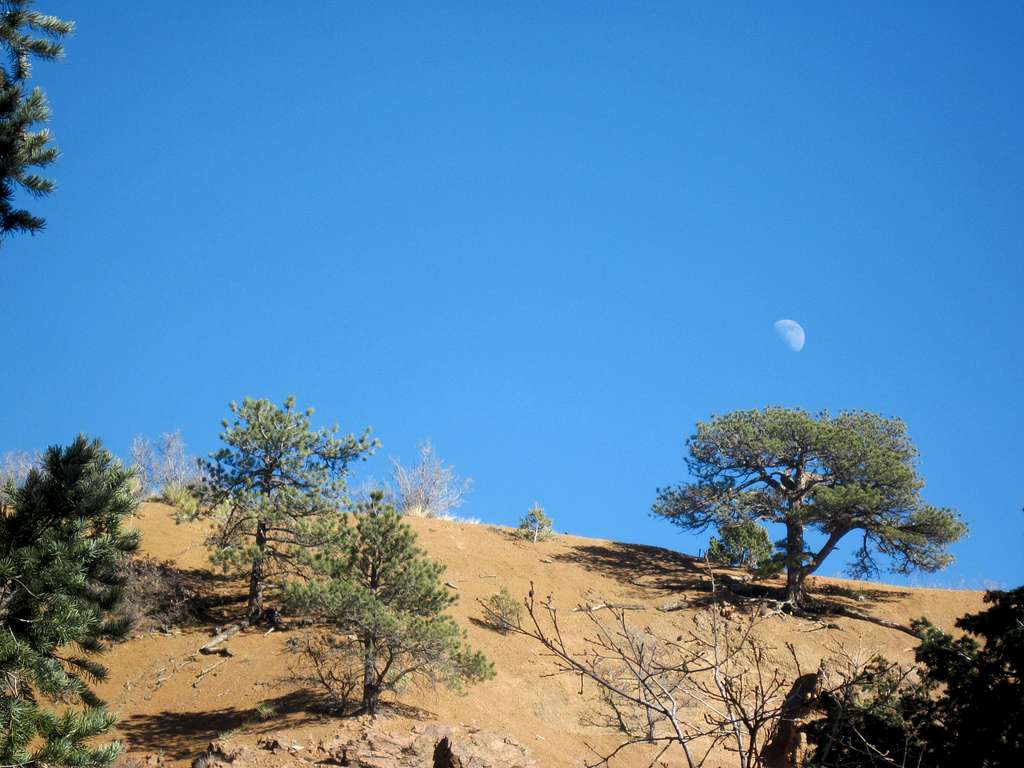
<point>170,710</point>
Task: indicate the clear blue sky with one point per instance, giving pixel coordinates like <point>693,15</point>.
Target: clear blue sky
<point>549,237</point>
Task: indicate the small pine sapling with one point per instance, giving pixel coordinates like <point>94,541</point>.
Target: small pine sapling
<point>502,611</point>
<point>535,525</point>
<point>385,599</point>
<point>274,489</point>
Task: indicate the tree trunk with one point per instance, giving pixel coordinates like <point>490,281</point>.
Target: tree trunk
<point>794,563</point>
<point>795,593</point>
<point>371,689</point>
<point>256,576</point>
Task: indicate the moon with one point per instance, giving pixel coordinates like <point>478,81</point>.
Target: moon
<point>791,333</point>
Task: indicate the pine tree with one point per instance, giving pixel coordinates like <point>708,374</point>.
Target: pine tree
<point>535,524</point>
<point>24,34</point>
<point>275,488</point>
<point>377,586</point>
<point>61,554</point>
<point>745,544</point>
<point>854,473</point>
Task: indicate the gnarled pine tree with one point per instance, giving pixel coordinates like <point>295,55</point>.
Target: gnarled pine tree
<point>851,473</point>
<point>24,145</point>
<point>61,554</point>
<point>275,488</point>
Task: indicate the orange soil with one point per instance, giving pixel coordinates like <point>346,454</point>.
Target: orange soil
<point>164,709</point>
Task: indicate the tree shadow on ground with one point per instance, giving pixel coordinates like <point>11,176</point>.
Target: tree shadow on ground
<point>640,565</point>
<point>181,735</point>
<point>861,594</point>
<point>159,596</point>
<point>663,569</point>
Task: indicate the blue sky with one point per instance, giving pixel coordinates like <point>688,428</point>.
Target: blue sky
<point>548,237</point>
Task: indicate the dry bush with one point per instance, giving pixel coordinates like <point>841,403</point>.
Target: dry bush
<point>162,465</point>
<point>157,595</point>
<point>15,466</point>
<point>332,663</point>
<point>429,489</point>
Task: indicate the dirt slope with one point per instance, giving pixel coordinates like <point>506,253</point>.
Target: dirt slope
<point>169,707</point>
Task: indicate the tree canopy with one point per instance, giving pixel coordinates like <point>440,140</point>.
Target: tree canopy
<point>25,142</point>
<point>275,487</point>
<point>853,473</point>
<point>62,550</point>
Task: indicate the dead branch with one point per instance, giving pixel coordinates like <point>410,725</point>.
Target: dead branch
<point>650,685</point>
<point>594,607</point>
<point>205,672</point>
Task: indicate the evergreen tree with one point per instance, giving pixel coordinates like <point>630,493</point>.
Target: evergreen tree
<point>275,488</point>
<point>855,472</point>
<point>25,142</point>
<point>375,585</point>
<point>964,707</point>
<point>61,573</point>
<point>535,525</point>
<point>743,545</point>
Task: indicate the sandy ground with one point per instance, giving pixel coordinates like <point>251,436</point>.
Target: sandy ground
<point>172,702</point>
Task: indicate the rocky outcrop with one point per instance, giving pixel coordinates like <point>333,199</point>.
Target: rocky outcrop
<point>375,744</point>
<point>429,745</point>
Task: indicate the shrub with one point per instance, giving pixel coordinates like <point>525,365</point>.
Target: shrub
<point>535,525</point>
<point>183,498</point>
<point>502,611</point>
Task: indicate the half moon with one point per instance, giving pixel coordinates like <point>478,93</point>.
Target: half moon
<point>791,333</point>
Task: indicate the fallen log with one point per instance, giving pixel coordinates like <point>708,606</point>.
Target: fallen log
<point>211,647</point>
